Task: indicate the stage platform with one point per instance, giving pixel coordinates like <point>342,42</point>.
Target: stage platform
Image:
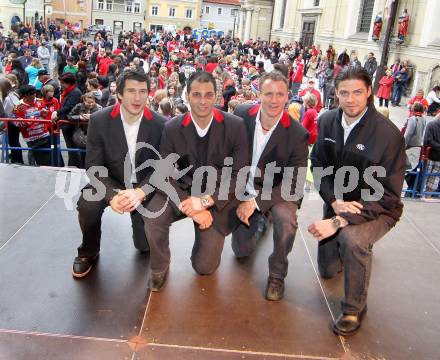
<point>46,314</point>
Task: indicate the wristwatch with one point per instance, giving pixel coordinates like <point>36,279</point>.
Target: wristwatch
<point>204,201</point>
<point>336,222</point>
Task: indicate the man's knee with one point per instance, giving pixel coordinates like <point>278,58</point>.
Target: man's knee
<point>284,213</point>
<point>203,267</point>
<point>350,241</point>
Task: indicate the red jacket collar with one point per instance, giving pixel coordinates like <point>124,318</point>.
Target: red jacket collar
<point>218,116</point>
<point>285,118</point>
<point>117,111</point>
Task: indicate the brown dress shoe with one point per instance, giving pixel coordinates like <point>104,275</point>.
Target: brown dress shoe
<point>348,324</point>
<point>274,289</point>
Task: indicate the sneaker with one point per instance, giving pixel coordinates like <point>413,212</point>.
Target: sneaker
<point>274,289</point>
<point>82,265</point>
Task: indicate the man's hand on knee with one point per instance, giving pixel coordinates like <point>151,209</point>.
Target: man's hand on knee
<point>340,206</point>
<point>203,218</point>
<point>245,211</point>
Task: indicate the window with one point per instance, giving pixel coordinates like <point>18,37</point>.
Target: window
<point>137,7</point>
<point>189,13</point>
<point>172,12</point>
<point>315,2</point>
<point>99,22</point>
<point>234,12</point>
<point>365,15</point>
<point>154,10</point>
<point>207,9</point>
<point>156,28</point>
<point>219,11</point>
<point>100,4</point>
<point>109,5</point>
<point>129,6</point>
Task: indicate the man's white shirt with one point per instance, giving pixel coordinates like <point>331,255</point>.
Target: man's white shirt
<point>348,128</point>
<point>260,141</point>
<point>131,134</point>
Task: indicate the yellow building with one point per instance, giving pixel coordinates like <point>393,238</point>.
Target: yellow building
<point>172,15</point>
<point>71,11</point>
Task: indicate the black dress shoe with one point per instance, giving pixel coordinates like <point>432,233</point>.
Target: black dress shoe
<point>274,289</point>
<point>157,281</point>
<point>82,265</point>
<point>347,325</point>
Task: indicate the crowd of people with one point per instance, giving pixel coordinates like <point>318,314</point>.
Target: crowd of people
<point>61,80</point>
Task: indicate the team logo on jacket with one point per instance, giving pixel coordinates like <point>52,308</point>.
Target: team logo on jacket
<point>360,147</point>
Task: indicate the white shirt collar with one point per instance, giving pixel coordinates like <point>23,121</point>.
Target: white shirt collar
<point>351,126</point>
<point>202,132</point>
<point>260,127</point>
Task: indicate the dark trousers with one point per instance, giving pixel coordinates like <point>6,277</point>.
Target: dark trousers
<point>351,249</point>
<point>285,224</point>
<point>381,100</point>
<point>14,141</point>
<point>207,248</point>
<point>90,214</point>
<point>74,157</point>
<point>397,94</point>
<point>41,157</point>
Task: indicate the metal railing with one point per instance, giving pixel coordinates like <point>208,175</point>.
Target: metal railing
<point>55,148</point>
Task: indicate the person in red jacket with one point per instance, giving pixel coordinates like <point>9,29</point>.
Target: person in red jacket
<point>104,63</point>
<point>310,89</point>
<point>212,64</point>
<point>385,88</point>
<point>36,135</point>
<point>420,98</point>
<point>48,103</point>
<point>297,75</point>
<point>310,119</point>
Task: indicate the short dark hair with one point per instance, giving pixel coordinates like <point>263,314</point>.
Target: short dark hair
<point>68,78</point>
<point>103,80</point>
<point>356,73</point>
<point>202,77</point>
<point>131,75</point>
<point>27,90</point>
<point>436,88</point>
<point>274,76</point>
<point>418,107</point>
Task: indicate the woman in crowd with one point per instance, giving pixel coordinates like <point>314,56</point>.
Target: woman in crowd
<point>81,113</point>
<point>19,72</point>
<point>11,98</point>
<point>32,73</point>
<point>385,88</point>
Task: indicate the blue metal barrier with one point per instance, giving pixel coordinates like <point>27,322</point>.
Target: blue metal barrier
<point>427,174</point>
<point>5,144</point>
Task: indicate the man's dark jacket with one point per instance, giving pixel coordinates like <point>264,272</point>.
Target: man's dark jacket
<point>287,148</point>
<point>107,147</point>
<point>374,141</point>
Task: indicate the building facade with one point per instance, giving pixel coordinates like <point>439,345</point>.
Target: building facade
<point>120,15</point>
<point>72,12</point>
<point>11,14</point>
<point>255,19</point>
<point>349,24</point>
<point>221,14</point>
<point>172,15</point>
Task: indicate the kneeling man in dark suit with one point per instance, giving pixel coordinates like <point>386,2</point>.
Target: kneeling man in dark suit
<point>278,154</point>
<point>209,148</point>
<point>120,139</point>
